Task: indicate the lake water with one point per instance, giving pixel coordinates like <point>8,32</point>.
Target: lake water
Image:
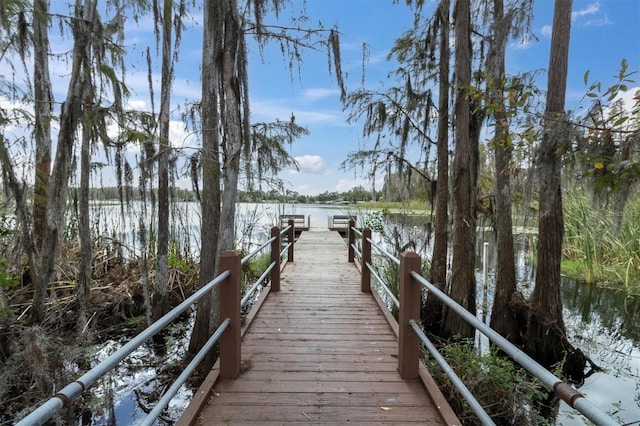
<point>604,323</point>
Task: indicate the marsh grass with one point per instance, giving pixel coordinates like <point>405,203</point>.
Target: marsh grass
<point>594,250</point>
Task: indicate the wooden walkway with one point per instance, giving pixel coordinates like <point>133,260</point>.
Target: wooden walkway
<point>319,352</point>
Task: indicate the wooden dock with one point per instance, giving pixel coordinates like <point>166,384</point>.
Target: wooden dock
<point>319,351</point>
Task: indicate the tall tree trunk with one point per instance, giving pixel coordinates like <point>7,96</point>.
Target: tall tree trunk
<point>465,169</point>
<point>160,303</point>
<point>432,310</point>
<point>84,228</point>
<point>503,317</point>
<point>207,310</point>
<point>545,337</point>
<point>43,113</point>
<point>233,89</point>
<point>71,112</point>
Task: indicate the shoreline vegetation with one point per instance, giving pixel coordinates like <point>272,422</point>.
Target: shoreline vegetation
<point>598,248</point>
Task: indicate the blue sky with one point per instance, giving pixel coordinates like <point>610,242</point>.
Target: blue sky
<point>603,32</point>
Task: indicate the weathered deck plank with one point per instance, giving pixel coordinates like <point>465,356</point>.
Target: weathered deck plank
<point>320,352</point>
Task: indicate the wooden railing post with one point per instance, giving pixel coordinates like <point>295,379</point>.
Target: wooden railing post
<point>365,277</point>
<point>230,348</point>
<point>408,341</point>
<point>291,236</point>
<point>275,257</point>
<point>351,239</point>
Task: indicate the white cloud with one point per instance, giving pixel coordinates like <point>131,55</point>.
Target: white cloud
<point>546,31</point>
<point>180,137</point>
<point>591,9</point>
<point>344,185</point>
<point>271,109</point>
<point>137,105</point>
<point>320,93</point>
<point>310,164</point>
<point>525,42</point>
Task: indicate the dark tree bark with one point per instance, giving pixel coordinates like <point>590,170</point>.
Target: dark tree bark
<point>432,309</point>
<point>545,338</point>
<point>465,170</point>
<point>160,301</point>
<point>207,310</point>
<point>233,88</point>
<point>503,317</point>
<point>43,114</point>
<point>84,228</point>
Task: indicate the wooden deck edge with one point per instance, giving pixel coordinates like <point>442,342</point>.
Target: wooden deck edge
<point>199,400</point>
<point>444,409</point>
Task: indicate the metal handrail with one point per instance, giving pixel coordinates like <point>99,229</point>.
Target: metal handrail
<point>70,392</point>
<point>562,389</point>
<point>186,373</point>
<point>74,389</point>
<point>285,249</point>
<point>285,230</point>
<point>255,285</point>
<point>455,379</point>
<point>386,253</point>
<point>384,285</point>
<point>357,252</point>
<point>565,391</point>
<point>256,251</point>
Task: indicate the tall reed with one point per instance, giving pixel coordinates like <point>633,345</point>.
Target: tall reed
<point>594,249</point>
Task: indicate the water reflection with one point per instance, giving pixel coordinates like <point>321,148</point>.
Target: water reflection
<point>605,324</point>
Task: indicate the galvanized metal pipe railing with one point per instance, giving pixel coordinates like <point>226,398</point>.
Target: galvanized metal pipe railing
<point>455,379</point>
<point>248,257</point>
<point>353,233</point>
<point>74,389</point>
<point>186,373</point>
<point>385,252</point>
<point>565,391</point>
<point>373,271</point>
<point>254,287</point>
<point>383,285</point>
<point>70,392</point>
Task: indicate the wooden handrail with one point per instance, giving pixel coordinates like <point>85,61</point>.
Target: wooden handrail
<point>351,239</point>
<point>291,235</point>
<point>275,257</point>
<point>230,348</point>
<point>365,277</point>
<point>408,341</point>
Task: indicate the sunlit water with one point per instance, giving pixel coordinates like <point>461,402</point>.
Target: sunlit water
<point>605,324</point>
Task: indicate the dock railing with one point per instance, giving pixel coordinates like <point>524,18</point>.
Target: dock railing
<point>228,333</point>
<point>300,221</point>
<point>339,222</point>
<point>411,335</point>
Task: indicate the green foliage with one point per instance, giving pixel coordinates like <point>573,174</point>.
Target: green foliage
<point>8,280</point>
<point>594,250</point>
<point>374,220</point>
<point>612,128</point>
<point>176,260</point>
<point>506,391</point>
<point>255,267</point>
